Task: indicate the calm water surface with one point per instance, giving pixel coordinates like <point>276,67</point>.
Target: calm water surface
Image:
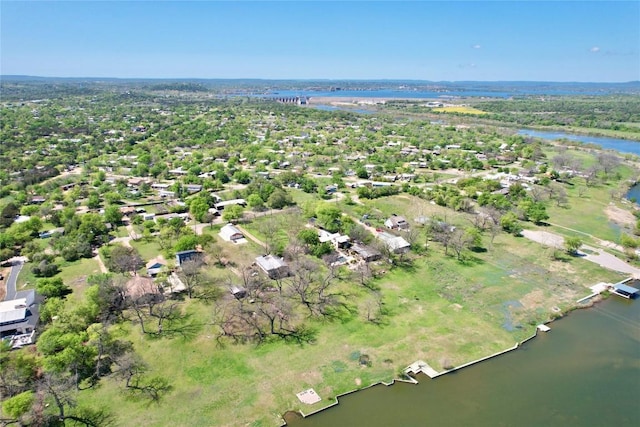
<point>585,372</point>
<point>621,145</point>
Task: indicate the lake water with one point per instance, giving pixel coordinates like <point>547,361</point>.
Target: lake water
<point>585,372</point>
<point>342,108</point>
<point>621,145</point>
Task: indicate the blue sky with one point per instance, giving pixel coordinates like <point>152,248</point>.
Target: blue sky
<point>424,40</point>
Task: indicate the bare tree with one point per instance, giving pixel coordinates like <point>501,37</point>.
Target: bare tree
<point>591,174</point>
<point>159,316</point>
<point>124,259</point>
<point>133,370</point>
<point>61,390</point>
<point>561,160</point>
<point>374,309</point>
<point>270,229</point>
<point>442,233</point>
<point>608,162</point>
<point>537,193</point>
<point>582,190</point>
<point>191,275</point>
<point>459,241</point>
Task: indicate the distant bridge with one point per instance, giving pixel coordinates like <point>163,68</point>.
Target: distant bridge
<point>299,100</point>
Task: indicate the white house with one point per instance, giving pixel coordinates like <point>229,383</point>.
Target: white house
<point>18,316</point>
<point>396,222</point>
<point>230,233</point>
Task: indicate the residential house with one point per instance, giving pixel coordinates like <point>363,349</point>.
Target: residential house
<point>36,200</point>
<point>222,205</point>
<point>154,267</point>
<point>193,188</point>
<point>366,253</point>
<point>395,244</point>
<point>230,233</point>
<point>396,222</point>
<point>140,287</point>
<point>275,267</point>
<point>19,317</point>
<point>182,257</point>
<point>338,240</point>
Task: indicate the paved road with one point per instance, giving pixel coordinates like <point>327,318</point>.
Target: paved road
<point>12,279</point>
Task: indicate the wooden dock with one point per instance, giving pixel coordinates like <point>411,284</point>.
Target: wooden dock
<point>421,366</point>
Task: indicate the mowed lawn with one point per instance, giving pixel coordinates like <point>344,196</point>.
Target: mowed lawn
<point>439,311</point>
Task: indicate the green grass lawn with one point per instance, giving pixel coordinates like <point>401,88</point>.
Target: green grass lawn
<point>147,250</point>
<point>439,310</point>
<point>595,201</point>
<point>75,274</point>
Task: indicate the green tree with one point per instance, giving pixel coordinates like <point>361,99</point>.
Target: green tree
<point>185,243</point>
<point>232,213</point>
<point>113,215</point>
<point>198,208</point>
<point>52,287</point>
<point>572,244</point>
<point>18,405</point>
<point>255,202</point>
<point>509,223</point>
<point>329,216</point>
<point>279,199</point>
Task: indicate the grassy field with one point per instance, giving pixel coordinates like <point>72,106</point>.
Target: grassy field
<point>147,250</point>
<point>461,109</point>
<point>595,200</point>
<point>439,311</point>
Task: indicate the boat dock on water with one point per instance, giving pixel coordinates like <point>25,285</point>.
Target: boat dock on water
<point>625,291</point>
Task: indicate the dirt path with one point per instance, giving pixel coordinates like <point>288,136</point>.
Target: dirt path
<point>251,236</point>
<point>103,268</point>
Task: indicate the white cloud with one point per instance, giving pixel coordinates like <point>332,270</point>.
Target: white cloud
<point>594,49</point>
<point>476,46</point>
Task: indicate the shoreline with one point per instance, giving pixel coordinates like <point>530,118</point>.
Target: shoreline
<point>582,303</point>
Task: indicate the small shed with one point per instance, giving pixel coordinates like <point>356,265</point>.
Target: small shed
<point>238,292</point>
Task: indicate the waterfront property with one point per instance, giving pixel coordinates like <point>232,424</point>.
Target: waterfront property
<point>625,291</point>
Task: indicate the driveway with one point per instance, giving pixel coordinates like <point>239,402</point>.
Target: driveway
<point>12,280</point>
<point>596,255</point>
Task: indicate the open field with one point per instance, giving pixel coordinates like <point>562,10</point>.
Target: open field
<point>439,310</point>
<point>460,109</point>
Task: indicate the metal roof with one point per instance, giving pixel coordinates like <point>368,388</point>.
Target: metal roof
<point>270,262</point>
<point>626,288</point>
<point>13,310</point>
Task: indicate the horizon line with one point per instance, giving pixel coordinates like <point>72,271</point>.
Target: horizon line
<point>319,79</point>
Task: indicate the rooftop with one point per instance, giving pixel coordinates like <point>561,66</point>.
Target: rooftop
<point>269,262</point>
